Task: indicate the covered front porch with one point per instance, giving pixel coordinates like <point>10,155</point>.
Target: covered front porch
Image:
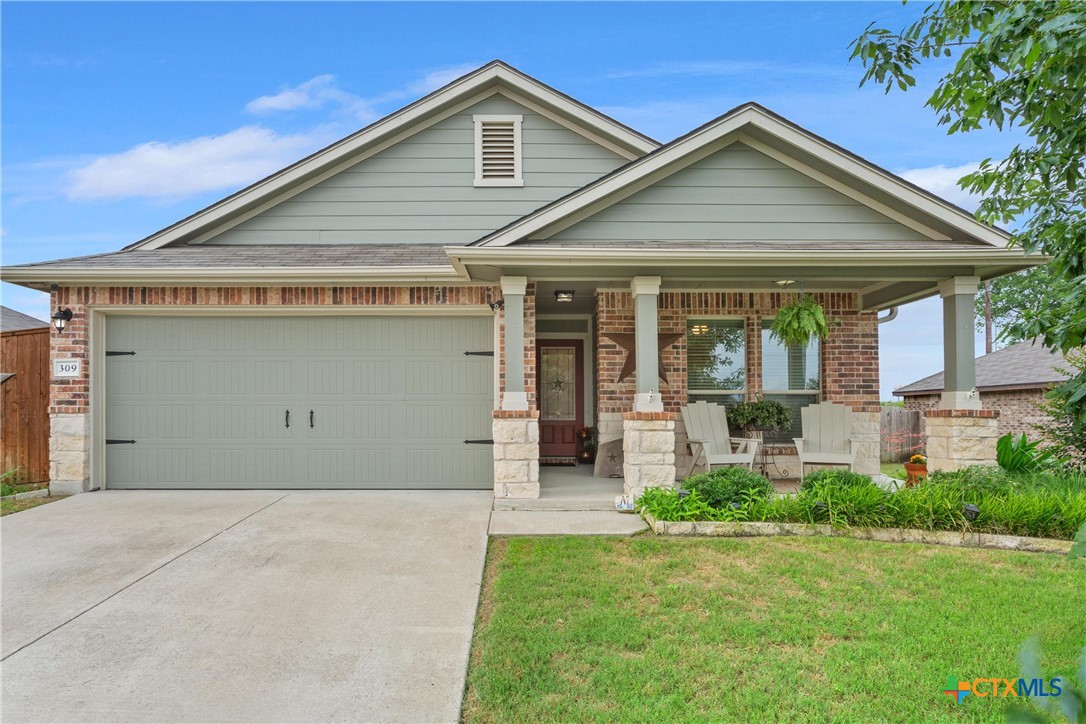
<point>620,357</point>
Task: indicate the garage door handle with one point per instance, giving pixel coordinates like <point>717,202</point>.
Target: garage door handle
<point>288,418</point>
<point>310,419</point>
<point>478,442</point>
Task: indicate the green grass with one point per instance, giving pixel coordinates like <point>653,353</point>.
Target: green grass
<point>894,470</point>
<point>7,507</point>
<point>649,629</point>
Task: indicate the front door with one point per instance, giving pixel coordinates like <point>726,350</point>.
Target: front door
<point>561,396</point>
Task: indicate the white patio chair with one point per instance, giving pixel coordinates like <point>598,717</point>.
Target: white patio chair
<point>827,436</point>
<point>707,431</point>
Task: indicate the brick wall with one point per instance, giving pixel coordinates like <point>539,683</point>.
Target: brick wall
<point>1018,411</point>
<point>850,357</point>
<point>71,396</point>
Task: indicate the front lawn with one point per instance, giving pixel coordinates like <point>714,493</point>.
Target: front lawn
<point>649,629</point>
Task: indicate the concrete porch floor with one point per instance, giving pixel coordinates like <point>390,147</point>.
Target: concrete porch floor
<point>568,487</point>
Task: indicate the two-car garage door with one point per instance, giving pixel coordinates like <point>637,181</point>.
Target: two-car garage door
<point>298,402</point>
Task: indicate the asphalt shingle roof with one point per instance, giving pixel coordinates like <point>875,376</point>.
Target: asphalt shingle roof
<point>1022,365</point>
<point>12,321</point>
<point>255,256</point>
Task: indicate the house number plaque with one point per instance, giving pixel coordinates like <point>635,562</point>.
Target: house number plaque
<point>67,367</point>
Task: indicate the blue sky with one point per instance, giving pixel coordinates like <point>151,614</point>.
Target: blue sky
<point>121,118</point>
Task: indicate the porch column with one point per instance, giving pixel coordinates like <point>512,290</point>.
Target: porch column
<point>646,291</point>
<point>513,290</point>
<point>648,433</point>
<point>959,432</point>
<point>959,356</point>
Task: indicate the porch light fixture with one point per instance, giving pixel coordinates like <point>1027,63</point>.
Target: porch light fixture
<point>563,296</point>
<point>61,319</point>
<point>971,512</point>
<point>699,329</point>
<point>784,282</point>
<point>496,305</point>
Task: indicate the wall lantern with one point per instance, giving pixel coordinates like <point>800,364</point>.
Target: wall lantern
<point>495,306</point>
<point>61,319</point>
<point>564,296</point>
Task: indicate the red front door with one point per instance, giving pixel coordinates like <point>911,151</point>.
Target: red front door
<point>561,395</point>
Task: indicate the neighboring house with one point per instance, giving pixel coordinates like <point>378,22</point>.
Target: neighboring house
<point>474,269</point>
<point>24,389</point>
<point>1011,380</point>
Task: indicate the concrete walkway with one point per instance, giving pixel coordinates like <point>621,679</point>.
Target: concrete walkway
<point>567,522</point>
<point>241,606</point>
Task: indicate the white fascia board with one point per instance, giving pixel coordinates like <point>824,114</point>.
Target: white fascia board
<point>256,276</point>
<point>403,120</point>
<point>596,256</point>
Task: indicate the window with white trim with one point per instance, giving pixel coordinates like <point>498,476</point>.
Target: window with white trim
<point>716,360</point>
<point>792,376</point>
<point>497,151</point>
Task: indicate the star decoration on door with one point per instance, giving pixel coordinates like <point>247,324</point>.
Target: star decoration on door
<point>628,342</point>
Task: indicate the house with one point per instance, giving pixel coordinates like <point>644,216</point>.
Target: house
<point>24,397</point>
<point>448,295</point>
<point>1011,380</point>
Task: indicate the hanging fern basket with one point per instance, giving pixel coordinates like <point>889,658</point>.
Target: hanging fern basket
<point>798,323</point>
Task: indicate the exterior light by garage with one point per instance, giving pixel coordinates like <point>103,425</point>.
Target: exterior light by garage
<point>565,296</point>
<point>496,305</point>
<point>61,319</point>
<point>785,282</point>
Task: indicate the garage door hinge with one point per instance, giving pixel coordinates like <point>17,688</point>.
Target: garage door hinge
<point>479,354</point>
<point>111,441</point>
<point>478,442</point>
<point>111,353</point>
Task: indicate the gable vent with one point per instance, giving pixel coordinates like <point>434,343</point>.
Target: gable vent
<point>497,151</point>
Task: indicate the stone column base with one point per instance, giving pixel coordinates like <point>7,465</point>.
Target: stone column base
<point>69,453</point>
<point>960,438</point>
<point>516,453</point>
<point>648,448</point>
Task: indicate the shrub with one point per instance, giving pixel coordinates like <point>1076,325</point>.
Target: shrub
<point>835,478</point>
<point>724,486</point>
<point>1019,455</point>
<point>976,477</point>
<point>1065,434</point>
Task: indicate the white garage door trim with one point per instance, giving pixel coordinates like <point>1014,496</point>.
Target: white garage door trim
<point>98,321</point>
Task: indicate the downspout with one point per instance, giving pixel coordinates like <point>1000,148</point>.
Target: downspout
<point>891,316</point>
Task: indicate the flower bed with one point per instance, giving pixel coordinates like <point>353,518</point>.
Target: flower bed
<point>974,500</point>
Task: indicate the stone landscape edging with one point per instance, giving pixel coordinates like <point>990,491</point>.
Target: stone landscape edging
<point>39,493</point>
<point>961,539</point>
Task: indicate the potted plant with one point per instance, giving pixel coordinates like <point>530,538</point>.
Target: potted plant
<point>916,468</point>
<point>797,323</point>
<point>760,416</point>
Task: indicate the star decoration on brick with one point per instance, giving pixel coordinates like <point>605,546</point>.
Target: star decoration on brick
<point>628,342</point>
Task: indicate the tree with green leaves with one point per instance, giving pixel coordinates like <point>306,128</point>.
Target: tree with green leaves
<point>1018,296</point>
<point>1023,65</point>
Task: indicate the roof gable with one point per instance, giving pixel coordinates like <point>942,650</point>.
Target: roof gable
<point>492,78</point>
<point>798,149</point>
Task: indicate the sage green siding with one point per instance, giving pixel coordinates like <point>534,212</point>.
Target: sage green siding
<point>421,190</point>
<point>737,194</point>
<point>392,400</point>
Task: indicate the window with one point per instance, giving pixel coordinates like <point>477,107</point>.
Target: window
<point>716,360</point>
<point>497,151</point>
<point>792,376</point>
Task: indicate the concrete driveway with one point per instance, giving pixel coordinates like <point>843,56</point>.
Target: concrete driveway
<point>241,606</point>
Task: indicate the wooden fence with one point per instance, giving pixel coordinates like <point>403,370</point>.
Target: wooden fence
<point>899,434</point>
<point>24,419</point>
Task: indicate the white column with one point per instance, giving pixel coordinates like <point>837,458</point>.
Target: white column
<point>959,351</point>
<point>513,290</point>
<point>646,292</point>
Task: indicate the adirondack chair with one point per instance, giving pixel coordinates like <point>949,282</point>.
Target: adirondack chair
<point>707,431</point>
<point>827,436</point>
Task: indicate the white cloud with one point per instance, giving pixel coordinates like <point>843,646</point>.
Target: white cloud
<point>186,168</point>
<point>435,79</point>
<point>943,182</point>
<point>314,93</point>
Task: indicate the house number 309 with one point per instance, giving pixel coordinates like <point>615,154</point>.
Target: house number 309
<point>67,367</point>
